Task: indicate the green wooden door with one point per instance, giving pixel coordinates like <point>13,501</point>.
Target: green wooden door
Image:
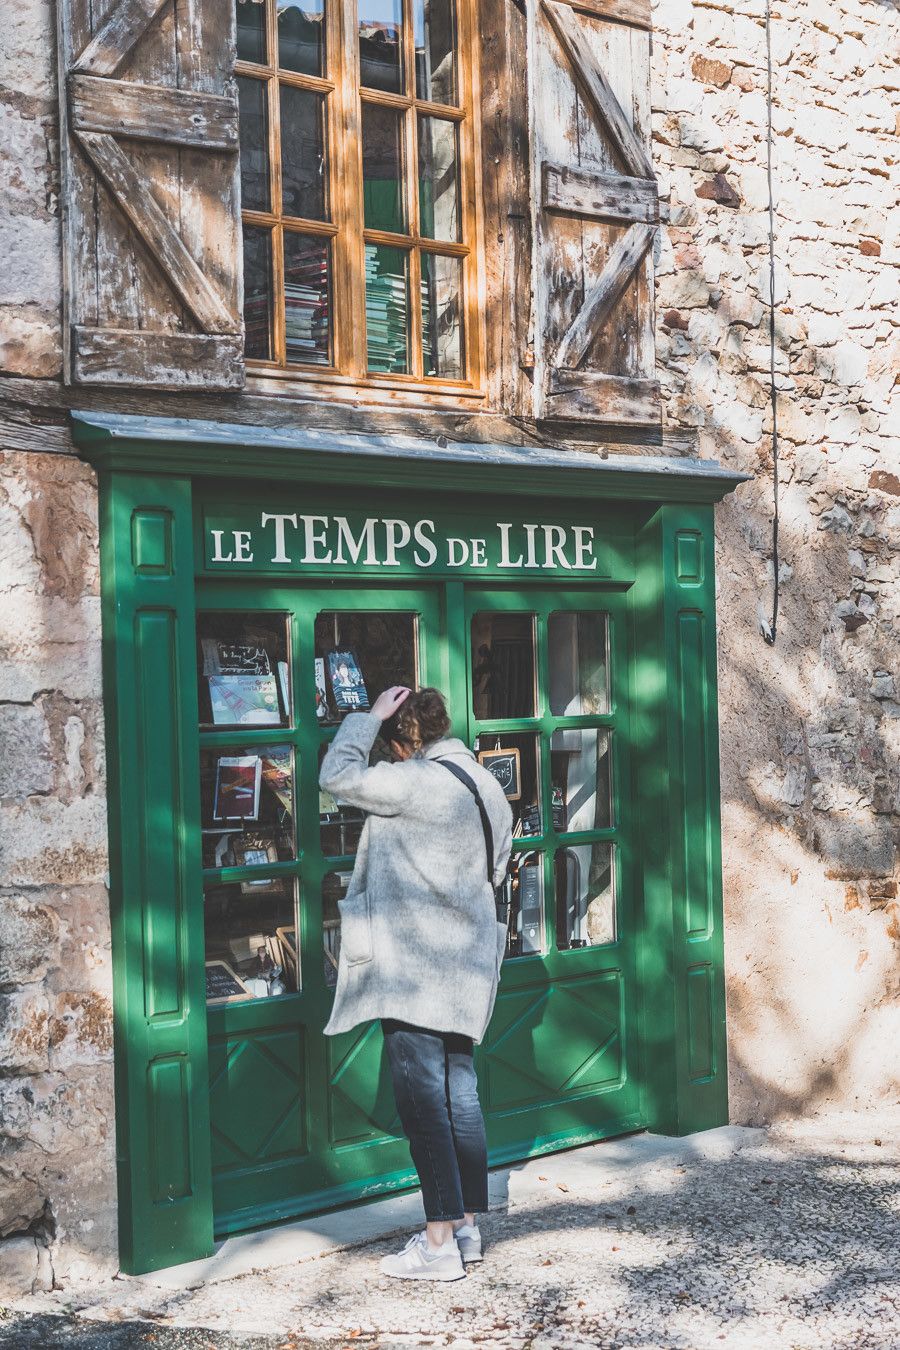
<point>299,1120</point>
<point>548,701</point>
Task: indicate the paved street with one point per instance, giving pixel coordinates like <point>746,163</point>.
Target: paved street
<point>738,1238</point>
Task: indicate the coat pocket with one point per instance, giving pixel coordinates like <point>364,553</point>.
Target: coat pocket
<point>356,929</point>
<point>501,945</point>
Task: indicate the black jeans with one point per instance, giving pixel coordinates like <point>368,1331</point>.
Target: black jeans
<point>437,1098</point>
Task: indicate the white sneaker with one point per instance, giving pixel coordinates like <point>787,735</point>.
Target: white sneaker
<point>468,1240</point>
<point>418,1262</point>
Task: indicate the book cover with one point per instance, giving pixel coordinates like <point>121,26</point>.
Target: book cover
<point>321,690</point>
<point>244,700</point>
<point>347,683</point>
<point>238,779</point>
<point>277,776</point>
<point>234,658</point>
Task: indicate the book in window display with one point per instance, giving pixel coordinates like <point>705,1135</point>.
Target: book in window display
<point>238,779</point>
<point>244,700</point>
<point>347,684</point>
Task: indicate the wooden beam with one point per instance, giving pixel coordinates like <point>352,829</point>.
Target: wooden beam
<point>146,112</point>
<point>601,196</point>
<point>159,360</point>
<point>624,259</point>
<point>574,395</point>
<point>574,41</point>
<point>117,36</point>
<point>135,199</point>
<point>634,12</point>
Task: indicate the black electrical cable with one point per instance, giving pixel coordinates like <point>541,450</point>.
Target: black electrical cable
<point>773,391</point>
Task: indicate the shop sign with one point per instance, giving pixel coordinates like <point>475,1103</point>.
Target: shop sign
<point>275,539</point>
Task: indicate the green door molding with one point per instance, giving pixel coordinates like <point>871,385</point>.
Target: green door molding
<point>659,575</point>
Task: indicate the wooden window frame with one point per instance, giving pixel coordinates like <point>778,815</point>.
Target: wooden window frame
<point>344,99</point>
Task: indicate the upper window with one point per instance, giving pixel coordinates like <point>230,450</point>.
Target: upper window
<point>357,183</point>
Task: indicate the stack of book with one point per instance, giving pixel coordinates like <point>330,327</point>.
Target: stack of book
<point>306,317</point>
<point>386,316</point>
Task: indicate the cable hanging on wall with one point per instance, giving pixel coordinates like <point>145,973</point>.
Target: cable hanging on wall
<point>770,628</point>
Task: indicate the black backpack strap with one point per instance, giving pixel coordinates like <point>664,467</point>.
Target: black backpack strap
<point>482,811</point>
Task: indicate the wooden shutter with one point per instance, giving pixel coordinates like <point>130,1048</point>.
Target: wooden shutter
<point>598,212</point>
<point>151,207</point>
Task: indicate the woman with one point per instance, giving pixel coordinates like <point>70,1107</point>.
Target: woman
<point>421,948</point>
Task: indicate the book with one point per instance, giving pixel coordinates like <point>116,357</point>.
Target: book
<point>321,690</point>
<point>282,667</point>
<point>234,658</point>
<point>347,683</point>
<point>238,779</point>
<point>277,776</point>
<point>244,700</point>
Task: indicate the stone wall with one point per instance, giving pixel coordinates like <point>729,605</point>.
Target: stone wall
<point>810,727</point>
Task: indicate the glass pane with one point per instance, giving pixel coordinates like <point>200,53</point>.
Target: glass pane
<point>360,655</point>
<point>513,760</point>
<point>438,179</point>
<point>301,36</point>
<point>387,309</point>
<point>247,805</point>
<point>243,669</point>
<point>579,663</point>
<point>254,144</point>
<point>251,32</point>
<point>382,131</point>
<point>526,904</point>
<point>302,153</point>
<point>380,45</point>
<point>339,826</point>
<point>251,940</point>
<point>257,293</point>
<point>585,896</point>
<point>307,328</point>
<point>580,770</point>
<point>434,27</point>
<point>334,888</point>
<point>503,665</point>
<point>442,342</point>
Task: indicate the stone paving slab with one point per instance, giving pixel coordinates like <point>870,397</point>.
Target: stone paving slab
<point>785,1239</point>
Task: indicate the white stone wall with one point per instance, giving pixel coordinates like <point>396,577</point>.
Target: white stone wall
<point>810,727</point>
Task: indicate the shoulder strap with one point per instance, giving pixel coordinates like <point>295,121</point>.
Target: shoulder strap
<point>482,811</point>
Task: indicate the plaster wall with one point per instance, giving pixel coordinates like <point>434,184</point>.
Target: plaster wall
<point>810,726</point>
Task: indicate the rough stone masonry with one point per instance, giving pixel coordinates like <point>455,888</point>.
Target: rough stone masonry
<point>810,727</point>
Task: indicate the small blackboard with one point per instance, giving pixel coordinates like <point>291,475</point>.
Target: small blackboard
<point>223,985</point>
<point>506,768</point>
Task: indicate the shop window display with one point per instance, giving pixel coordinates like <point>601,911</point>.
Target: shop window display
<point>334,888</point>
<point>244,670</point>
<point>503,665</point>
<point>247,805</point>
<point>251,939</point>
<point>585,895</point>
<point>582,788</point>
<point>514,760</point>
<point>579,663</point>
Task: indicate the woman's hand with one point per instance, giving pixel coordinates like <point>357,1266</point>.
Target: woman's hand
<point>386,704</point>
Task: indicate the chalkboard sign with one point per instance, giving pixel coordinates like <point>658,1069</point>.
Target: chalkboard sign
<point>506,768</point>
<point>223,985</point>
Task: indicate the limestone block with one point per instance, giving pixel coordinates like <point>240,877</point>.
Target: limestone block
<point>29,937</point>
<point>44,841</point>
<point>81,1029</point>
<point>21,1198</point>
<point>836,520</point>
<point>18,1266</point>
<point>29,234</point>
<point>854,848</point>
<point>683,290</point>
<point>24,1044</point>
<point>30,342</point>
<point>844,424</point>
<point>26,51</point>
<point>26,765</point>
<point>826,329</point>
<point>700,133</point>
<point>75,666</point>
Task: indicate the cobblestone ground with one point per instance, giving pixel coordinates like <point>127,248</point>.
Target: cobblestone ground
<point>789,1238</point>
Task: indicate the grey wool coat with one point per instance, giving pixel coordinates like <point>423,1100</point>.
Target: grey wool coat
<point>420,941</point>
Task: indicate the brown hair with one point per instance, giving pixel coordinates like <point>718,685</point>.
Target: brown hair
<point>421,719</point>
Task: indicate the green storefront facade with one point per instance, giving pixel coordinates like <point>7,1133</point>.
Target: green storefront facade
<point>256,585</point>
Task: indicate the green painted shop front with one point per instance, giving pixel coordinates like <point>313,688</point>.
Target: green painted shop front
<point>253,591</point>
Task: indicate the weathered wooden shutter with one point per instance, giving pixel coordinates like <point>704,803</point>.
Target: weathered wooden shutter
<point>598,212</point>
<point>150,194</point>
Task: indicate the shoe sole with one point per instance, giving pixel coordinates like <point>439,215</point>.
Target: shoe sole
<point>443,1278</point>
<point>471,1260</point>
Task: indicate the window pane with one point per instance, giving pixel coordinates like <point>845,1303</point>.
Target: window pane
<point>513,760</point>
<point>380,44</point>
<point>359,655</point>
<point>382,131</point>
<point>251,32</point>
<point>387,309</point>
<point>254,144</point>
<point>442,342</point>
<point>438,188</point>
<point>247,806</point>
<point>334,888</point>
<point>302,153</point>
<point>503,665</point>
<point>525,889</point>
<point>257,293</point>
<point>301,36</point>
<point>340,826</point>
<point>243,670</point>
<point>579,667</point>
<point>434,26</point>
<point>307,328</point>
<point>580,770</point>
<point>585,896</point>
<point>251,940</point>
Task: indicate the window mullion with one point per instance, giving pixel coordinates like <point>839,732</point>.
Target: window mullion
<point>347,203</point>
